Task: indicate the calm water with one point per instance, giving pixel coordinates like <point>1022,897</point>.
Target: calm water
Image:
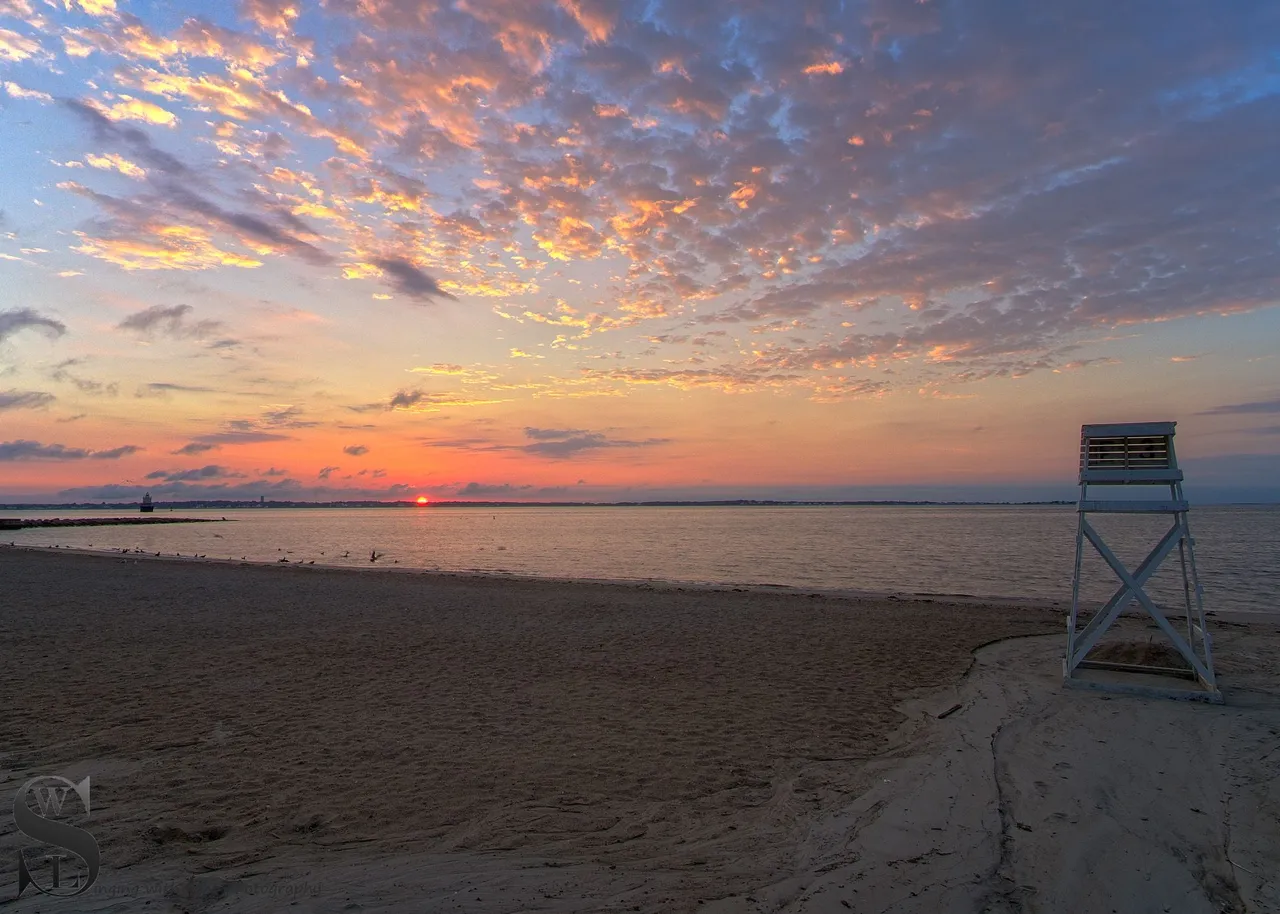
<point>982,551</point>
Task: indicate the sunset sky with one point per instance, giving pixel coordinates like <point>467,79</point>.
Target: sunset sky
<point>598,250</point>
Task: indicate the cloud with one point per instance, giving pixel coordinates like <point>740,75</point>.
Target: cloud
<point>565,443</point>
<point>286,416</point>
<point>409,280</point>
<point>266,427</point>
<point>956,179</point>
<point>545,434</point>
<point>237,436</point>
<point>137,109</point>
<point>115,453</point>
<point>15,48</point>
<point>33,450</point>
<point>474,489</point>
<point>194,448</point>
<point>105,8</point>
<point>555,444</point>
<point>89,386</point>
<point>154,230</point>
<point>171,321</point>
<point>1244,409</point>
<point>326,472</point>
<point>13,321</point>
<point>245,224</point>
<point>24,399</point>
<point>730,379</point>
<point>202,473</point>
<point>404,399</point>
<point>133,138</point>
<point>163,389</point>
<point>465,444</point>
<point>287,489</point>
<point>16,91</point>
<point>355,450</point>
<point>571,447</point>
<point>424,401</point>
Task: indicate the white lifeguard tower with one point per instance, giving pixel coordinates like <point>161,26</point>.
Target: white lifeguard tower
<point>1138,454</point>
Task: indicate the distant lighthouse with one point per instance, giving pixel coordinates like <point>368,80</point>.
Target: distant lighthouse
<point>146,507</point>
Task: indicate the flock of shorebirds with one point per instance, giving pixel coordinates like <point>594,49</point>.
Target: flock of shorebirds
<point>374,555</point>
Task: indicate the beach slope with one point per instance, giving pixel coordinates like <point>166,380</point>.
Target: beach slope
<point>261,738</point>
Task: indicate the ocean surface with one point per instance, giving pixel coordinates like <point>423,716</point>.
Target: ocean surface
<point>1018,551</point>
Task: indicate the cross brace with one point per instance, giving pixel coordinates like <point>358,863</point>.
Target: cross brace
<point>1131,589</point>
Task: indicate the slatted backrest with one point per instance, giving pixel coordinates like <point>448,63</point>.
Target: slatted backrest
<point>1123,452</point>
<point>1129,453</point>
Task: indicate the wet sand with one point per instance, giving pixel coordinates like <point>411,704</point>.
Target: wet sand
<point>259,736</point>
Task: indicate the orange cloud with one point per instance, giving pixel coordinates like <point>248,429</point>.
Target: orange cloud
<point>93,7</point>
<point>204,39</point>
<point>113,162</point>
<point>169,247</point>
<point>15,47</point>
<point>829,68</point>
<point>570,238</point>
<point>16,91</point>
<point>595,17</point>
<point>243,96</point>
<point>275,16</point>
<point>135,109</point>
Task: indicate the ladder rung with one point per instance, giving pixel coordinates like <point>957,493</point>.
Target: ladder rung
<point>1139,475</point>
<point>1133,507</point>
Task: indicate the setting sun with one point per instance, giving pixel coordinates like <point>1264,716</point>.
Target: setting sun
<point>422,499</point>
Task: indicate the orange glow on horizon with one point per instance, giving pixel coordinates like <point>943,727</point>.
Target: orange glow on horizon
<point>422,500</point>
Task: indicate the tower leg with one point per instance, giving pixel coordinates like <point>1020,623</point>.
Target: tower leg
<point>1202,630</point>
<point>1067,665</point>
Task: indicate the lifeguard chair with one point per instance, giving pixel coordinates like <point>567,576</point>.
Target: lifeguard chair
<point>1138,454</point>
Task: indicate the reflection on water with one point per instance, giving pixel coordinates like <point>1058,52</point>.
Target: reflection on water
<point>984,551</point>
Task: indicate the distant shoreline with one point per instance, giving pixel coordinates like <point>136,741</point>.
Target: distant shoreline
<point>723,503</point>
<point>729,503</point>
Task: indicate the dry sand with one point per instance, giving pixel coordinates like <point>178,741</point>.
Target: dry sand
<point>268,738</point>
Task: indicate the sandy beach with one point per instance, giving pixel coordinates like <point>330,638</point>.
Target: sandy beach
<point>285,738</point>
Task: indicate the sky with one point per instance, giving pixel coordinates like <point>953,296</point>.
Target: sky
<point>612,250</point>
